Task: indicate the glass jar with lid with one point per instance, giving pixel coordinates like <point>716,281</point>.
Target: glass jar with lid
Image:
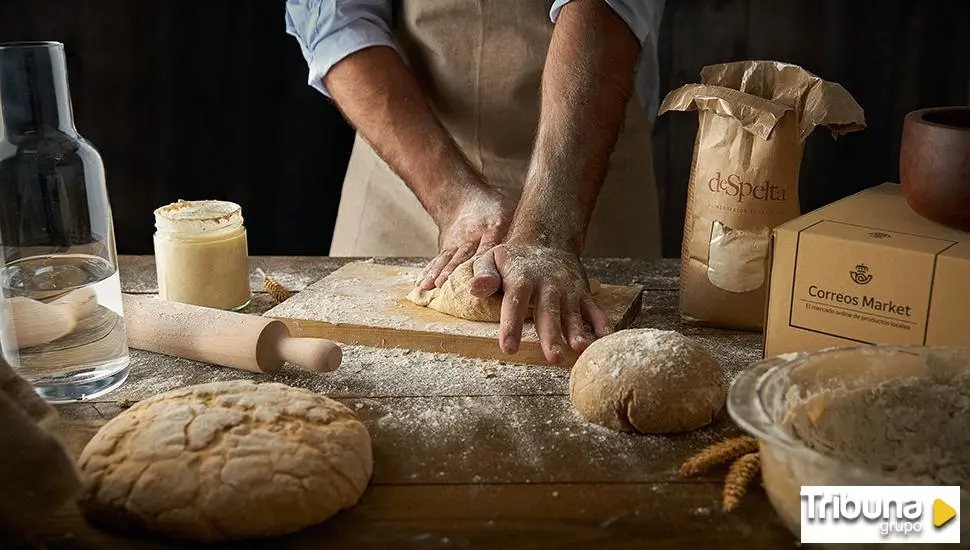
<point>201,254</point>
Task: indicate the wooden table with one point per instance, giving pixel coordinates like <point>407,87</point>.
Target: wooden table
<point>472,454</point>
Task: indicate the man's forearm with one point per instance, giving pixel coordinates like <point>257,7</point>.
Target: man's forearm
<point>586,84</point>
<point>378,94</point>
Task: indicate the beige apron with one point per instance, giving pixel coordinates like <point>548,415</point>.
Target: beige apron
<point>480,63</point>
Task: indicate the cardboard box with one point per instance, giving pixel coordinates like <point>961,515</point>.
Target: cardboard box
<point>867,270</point>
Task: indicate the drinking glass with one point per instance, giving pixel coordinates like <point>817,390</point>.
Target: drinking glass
<point>61,319</point>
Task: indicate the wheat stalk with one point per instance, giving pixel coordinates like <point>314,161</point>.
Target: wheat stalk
<point>741,474</point>
<point>273,287</point>
<point>718,453</point>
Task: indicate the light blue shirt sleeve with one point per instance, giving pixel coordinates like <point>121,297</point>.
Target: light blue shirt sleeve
<point>644,18</point>
<point>330,30</point>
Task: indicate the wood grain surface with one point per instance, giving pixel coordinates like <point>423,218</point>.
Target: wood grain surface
<point>471,453</point>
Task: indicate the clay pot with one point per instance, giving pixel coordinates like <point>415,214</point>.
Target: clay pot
<point>934,164</point>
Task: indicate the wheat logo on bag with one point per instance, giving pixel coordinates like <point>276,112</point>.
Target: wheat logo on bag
<point>753,118</point>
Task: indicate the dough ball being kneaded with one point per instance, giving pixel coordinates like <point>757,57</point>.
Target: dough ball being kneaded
<point>226,461</point>
<point>455,297</point>
<point>648,381</point>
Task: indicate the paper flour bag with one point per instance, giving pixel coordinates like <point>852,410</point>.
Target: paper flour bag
<point>754,117</point>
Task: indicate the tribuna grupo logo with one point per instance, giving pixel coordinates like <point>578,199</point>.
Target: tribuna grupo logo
<point>879,514</point>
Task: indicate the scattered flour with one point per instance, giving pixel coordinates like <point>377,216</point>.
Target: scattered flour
<point>735,350</point>
<point>636,349</point>
<point>917,429</point>
<point>490,421</point>
<point>366,372</point>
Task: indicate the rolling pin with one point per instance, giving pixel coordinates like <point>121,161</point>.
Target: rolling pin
<point>236,340</point>
<point>37,323</point>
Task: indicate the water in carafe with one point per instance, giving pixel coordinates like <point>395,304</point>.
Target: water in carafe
<point>61,318</point>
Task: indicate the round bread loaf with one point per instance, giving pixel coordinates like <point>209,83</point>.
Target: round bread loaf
<point>649,381</point>
<point>226,461</point>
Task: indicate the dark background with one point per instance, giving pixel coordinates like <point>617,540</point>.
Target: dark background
<point>189,99</point>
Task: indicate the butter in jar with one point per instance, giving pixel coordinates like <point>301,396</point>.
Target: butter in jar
<point>201,254</point>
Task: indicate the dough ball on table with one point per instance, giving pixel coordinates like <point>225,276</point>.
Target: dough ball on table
<point>226,461</point>
<point>649,381</point>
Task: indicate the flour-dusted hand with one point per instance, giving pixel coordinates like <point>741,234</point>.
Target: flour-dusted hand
<point>471,222</point>
<point>587,82</point>
<point>553,281</point>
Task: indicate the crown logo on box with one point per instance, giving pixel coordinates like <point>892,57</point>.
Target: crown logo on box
<point>860,275</point>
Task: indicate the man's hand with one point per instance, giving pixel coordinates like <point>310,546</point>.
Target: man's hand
<point>380,96</point>
<point>551,282</point>
<point>587,82</point>
<point>470,223</point>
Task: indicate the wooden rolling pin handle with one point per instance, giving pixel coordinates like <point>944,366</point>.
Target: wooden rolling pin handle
<point>78,303</point>
<point>315,354</point>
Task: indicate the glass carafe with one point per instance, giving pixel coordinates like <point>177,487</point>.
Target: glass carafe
<point>61,319</point>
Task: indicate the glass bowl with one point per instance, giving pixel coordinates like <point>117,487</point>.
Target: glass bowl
<point>761,398</point>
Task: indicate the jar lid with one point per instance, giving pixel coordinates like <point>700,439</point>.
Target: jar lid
<point>198,217</point>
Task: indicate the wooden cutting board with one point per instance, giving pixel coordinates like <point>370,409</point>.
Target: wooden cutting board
<point>366,303</point>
